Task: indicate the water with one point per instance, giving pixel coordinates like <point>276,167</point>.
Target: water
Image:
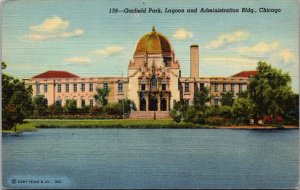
<point>151,158</point>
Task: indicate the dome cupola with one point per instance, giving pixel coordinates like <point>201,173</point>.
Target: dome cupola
<point>153,43</point>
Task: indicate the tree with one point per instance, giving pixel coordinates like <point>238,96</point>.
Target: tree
<point>40,105</point>
<point>201,98</point>
<point>101,96</point>
<point>270,90</point>
<point>16,101</point>
<point>70,107</point>
<point>178,110</point>
<point>227,99</point>
<point>242,110</point>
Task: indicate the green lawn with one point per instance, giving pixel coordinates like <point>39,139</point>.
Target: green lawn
<point>110,123</point>
<point>25,127</point>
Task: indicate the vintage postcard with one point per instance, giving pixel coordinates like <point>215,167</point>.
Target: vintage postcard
<point>146,94</point>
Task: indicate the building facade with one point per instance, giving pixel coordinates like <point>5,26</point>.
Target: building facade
<point>154,80</point>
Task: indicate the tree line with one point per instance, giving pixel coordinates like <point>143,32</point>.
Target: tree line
<point>269,98</point>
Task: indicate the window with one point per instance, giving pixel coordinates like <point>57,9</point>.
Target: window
<point>38,88</point>
<point>75,87</point>
<point>91,103</point>
<point>105,86</point>
<point>67,87</point>
<point>45,88</point>
<point>186,102</point>
<point>82,103</point>
<point>120,87</point>
<point>240,87</point>
<point>216,102</point>
<point>232,87</point>
<point>153,83</point>
<point>163,87</point>
<point>201,86</point>
<point>216,87</point>
<point>224,87</point>
<point>91,87</point>
<point>59,88</point>
<point>82,87</point>
<point>186,87</point>
<point>143,87</point>
<point>58,103</point>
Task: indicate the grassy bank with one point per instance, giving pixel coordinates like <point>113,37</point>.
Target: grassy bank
<point>25,127</point>
<point>112,123</point>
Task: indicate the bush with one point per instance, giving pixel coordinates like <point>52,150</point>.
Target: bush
<point>211,111</point>
<point>199,118</point>
<point>189,114</point>
<point>176,115</point>
<point>267,119</point>
<point>113,109</point>
<point>225,111</point>
<point>242,110</point>
<point>216,120</point>
<point>55,110</point>
<point>278,119</point>
<point>97,110</point>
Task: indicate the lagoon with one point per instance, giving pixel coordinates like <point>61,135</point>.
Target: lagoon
<point>151,158</point>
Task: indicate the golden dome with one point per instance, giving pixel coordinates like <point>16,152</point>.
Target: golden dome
<point>153,42</point>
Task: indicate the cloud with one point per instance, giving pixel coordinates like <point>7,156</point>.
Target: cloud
<point>78,60</point>
<point>109,51</point>
<point>287,56</point>
<point>51,28</point>
<point>228,38</point>
<point>260,50</point>
<point>182,34</point>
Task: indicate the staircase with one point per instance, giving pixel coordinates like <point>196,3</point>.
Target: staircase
<point>149,115</point>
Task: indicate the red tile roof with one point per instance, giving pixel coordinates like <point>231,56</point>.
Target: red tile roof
<point>245,74</point>
<point>56,74</point>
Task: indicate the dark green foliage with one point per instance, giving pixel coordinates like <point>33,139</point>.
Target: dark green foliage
<point>40,105</point>
<point>270,90</point>
<point>177,113</point>
<point>225,111</point>
<point>201,98</point>
<point>189,114</point>
<point>55,110</point>
<point>242,110</point>
<point>227,99</point>
<point>70,107</point>
<point>113,109</point>
<point>211,111</point>
<point>101,96</point>
<point>16,101</point>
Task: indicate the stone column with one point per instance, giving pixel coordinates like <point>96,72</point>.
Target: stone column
<point>147,103</point>
<point>158,102</point>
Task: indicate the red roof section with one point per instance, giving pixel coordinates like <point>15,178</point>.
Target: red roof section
<point>56,74</point>
<point>245,74</point>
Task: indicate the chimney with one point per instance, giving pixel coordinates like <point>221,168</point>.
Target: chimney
<point>194,61</point>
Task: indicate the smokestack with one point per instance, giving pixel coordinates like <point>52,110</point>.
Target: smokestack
<point>194,61</point>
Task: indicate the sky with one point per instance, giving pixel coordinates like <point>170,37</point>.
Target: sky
<point>82,37</point>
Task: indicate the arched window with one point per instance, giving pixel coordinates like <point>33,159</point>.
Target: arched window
<point>153,83</point>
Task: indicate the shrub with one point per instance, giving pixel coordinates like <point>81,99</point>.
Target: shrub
<point>176,115</point>
<point>225,111</point>
<point>189,114</point>
<point>211,111</point>
<point>53,109</point>
<point>267,119</point>
<point>199,118</point>
<point>97,110</point>
<point>216,120</point>
<point>278,119</point>
<point>242,110</point>
<point>113,109</point>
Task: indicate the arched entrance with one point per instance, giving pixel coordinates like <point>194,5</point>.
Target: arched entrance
<point>163,105</point>
<point>152,103</point>
<point>143,104</point>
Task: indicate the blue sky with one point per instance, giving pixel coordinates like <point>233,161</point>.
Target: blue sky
<point>82,37</point>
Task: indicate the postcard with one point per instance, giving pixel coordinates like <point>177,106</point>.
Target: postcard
<point>145,94</point>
